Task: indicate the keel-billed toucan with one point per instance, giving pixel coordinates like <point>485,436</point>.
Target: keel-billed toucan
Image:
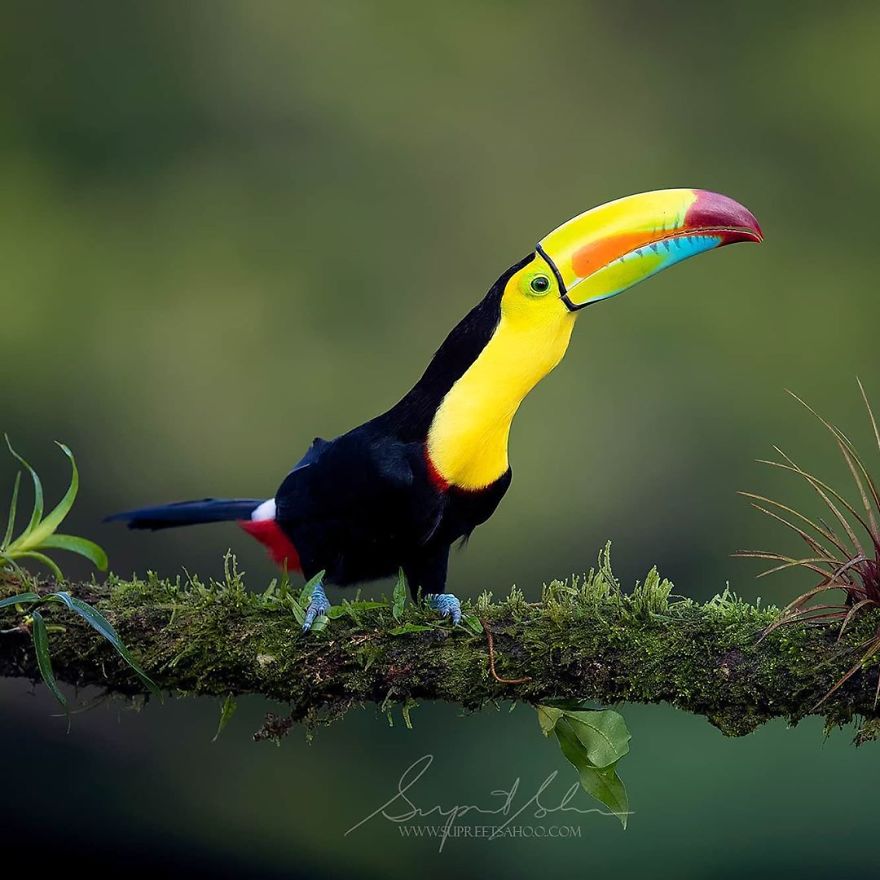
<point>397,491</point>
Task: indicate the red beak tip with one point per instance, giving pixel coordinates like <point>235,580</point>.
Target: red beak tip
<point>713,209</point>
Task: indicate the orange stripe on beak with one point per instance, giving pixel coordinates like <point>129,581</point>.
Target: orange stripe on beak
<point>600,252</point>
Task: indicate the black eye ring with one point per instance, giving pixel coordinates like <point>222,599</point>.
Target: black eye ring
<point>540,284</point>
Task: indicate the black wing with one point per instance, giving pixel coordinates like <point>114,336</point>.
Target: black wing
<point>357,505</point>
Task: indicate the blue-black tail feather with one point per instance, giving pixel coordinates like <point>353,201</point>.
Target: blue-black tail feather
<point>188,513</point>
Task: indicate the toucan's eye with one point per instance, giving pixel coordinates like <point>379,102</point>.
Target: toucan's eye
<point>540,284</point>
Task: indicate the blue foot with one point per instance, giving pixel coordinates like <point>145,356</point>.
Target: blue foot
<point>318,604</point>
<point>448,606</point>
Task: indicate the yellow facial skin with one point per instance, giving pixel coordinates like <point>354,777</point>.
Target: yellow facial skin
<point>467,441</point>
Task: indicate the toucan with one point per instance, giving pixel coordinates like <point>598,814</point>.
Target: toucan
<point>398,491</point>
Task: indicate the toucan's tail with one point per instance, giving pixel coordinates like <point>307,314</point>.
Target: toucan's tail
<point>188,513</point>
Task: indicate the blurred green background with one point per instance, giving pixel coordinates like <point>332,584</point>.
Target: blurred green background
<point>230,226</point>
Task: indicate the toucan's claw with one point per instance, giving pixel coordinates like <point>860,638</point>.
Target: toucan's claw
<point>447,605</point>
<point>318,604</point>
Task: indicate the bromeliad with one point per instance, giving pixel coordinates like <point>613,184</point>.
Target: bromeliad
<point>399,490</point>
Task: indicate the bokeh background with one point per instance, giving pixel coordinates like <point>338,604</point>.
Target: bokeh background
<point>230,226</point>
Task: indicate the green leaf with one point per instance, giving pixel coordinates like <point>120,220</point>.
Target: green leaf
<point>320,623</point>
<point>604,735</point>
<point>547,718</point>
<point>20,599</point>
<point>82,546</point>
<point>10,523</point>
<point>472,622</point>
<point>227,710</point>
<point>298,612</point>
<point>410,628</point>
<point>91,615</point>
<point>37,513</point>
<point>607,787</point>
<point>44,661</point>
<point>54,519</point>
<point>104,628</point>
<point>399,595</point>
<point>352,609</point>
<point>602,783</point>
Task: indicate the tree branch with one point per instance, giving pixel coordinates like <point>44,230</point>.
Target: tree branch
<point>585,640</point>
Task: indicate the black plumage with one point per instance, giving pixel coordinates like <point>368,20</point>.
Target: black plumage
<point>366,503</point>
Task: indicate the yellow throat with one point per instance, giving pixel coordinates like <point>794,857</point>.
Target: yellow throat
<point>467,440</point>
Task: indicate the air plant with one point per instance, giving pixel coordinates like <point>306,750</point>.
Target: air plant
<point>845,556</point>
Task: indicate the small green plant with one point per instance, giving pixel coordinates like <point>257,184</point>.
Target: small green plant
<point>41,532</point>
<point>841,559</point>
<point>593,741</point>
<point>39,535</point>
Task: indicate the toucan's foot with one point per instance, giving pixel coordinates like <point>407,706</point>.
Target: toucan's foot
<point>447,605</point>
<point>318,604</point>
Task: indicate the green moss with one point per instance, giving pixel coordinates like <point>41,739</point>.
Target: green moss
<point>586,639</point>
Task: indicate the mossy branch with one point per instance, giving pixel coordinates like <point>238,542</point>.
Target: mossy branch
<point>585,640</point>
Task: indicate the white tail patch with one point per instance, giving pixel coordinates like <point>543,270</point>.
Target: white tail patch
<point>265,511</point>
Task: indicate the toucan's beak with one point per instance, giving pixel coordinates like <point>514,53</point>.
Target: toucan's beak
<point>610,248</point>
